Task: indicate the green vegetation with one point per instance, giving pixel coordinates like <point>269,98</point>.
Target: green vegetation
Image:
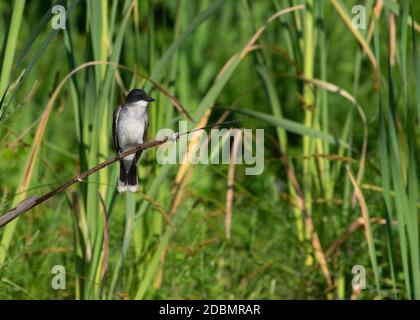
<point>340,107</point>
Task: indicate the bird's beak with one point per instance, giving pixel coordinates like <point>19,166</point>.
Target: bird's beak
<point>150,99</point>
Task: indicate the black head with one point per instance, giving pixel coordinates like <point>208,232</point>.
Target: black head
<point>136,95</point>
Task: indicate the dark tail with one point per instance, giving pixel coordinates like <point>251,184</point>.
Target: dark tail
<point>127,181</point>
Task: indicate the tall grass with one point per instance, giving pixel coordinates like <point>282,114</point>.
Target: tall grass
<point>340,108</point>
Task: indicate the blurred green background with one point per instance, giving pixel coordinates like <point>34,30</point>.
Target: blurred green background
<point>340,107</point>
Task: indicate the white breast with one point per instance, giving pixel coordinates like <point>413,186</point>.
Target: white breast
<point>131,125</point>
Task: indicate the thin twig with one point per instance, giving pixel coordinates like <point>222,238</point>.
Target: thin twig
<point>230,185</point>
<point>354,226</point>
<point>34,201</point>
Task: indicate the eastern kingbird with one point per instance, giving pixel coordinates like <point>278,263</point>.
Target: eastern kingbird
<point>129,128</point>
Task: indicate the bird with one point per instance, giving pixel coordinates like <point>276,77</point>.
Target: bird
<point>129,129</point>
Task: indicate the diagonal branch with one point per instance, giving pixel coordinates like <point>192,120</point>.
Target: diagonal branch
<point>33,201</point>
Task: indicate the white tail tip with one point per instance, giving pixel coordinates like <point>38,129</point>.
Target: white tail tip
<point>122,188</point>
<point>133,188</point>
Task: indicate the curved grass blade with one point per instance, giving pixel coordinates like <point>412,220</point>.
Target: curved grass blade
<point>293,126</point>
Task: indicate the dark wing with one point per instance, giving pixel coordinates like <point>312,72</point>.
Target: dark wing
<point>146,127</point>
<point>115,128</point>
